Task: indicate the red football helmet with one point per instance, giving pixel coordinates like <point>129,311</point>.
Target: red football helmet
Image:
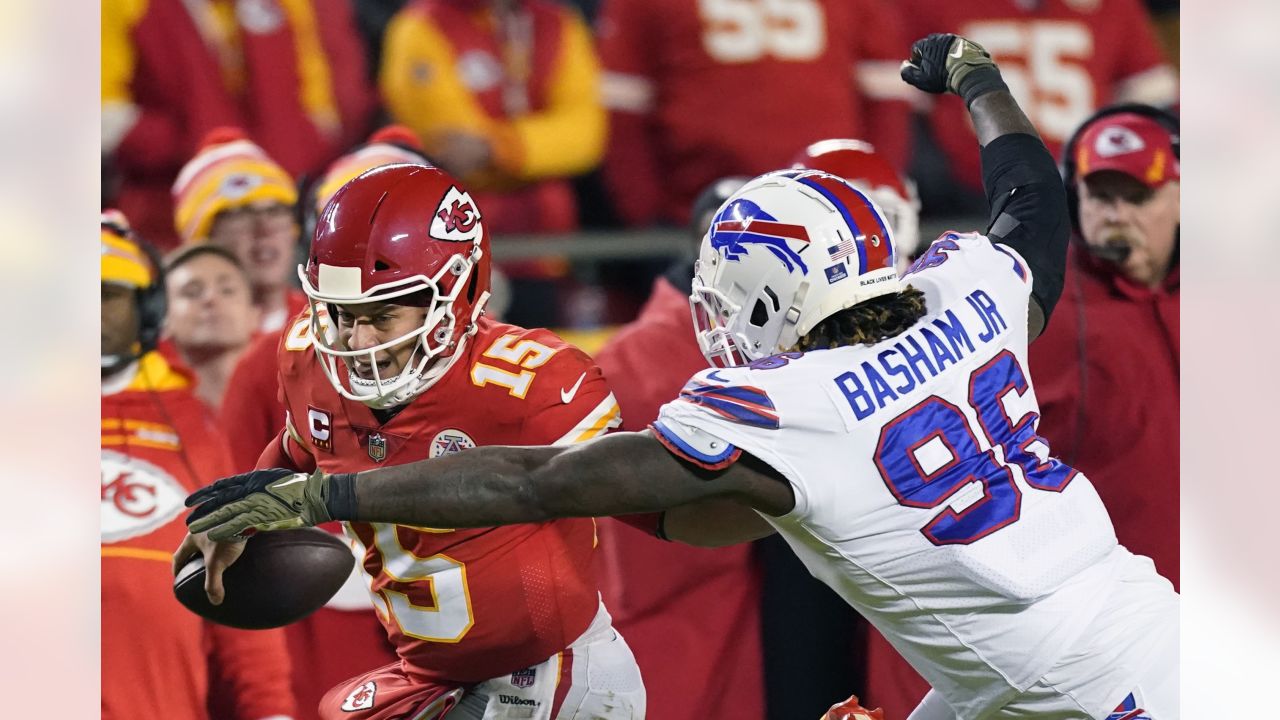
<point>857,162</point>
<point>398,232</point>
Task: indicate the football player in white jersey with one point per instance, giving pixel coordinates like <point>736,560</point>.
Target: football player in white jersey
<point>884,425</point>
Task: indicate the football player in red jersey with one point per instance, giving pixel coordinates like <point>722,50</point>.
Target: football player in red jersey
<point>401,365</point>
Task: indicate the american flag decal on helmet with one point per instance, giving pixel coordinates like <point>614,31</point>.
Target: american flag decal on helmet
<point>740,403</point>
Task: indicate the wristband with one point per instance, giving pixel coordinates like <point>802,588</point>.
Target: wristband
<point>340,500</point>
<point>979,82</point>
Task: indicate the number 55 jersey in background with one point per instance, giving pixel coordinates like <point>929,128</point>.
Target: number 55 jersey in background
<point>923,494</point>
<point>467,605</point>
<point>1062,60</point>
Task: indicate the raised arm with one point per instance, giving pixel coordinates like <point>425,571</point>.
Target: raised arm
<point>1024,191</point>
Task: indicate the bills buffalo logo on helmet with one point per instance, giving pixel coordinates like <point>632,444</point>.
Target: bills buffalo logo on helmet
<point>456,219</point>
<point>742,223</point>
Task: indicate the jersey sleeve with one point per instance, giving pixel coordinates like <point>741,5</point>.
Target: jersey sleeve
<point>721,414</point>
<point>975,254</point>
<point>569,400</point>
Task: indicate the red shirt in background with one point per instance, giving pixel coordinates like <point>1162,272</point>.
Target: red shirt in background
<point>1106,374</point>
<point>704,90</point>
<point>1062,60</point>
<point>691,615</point>
<point>158,445</point>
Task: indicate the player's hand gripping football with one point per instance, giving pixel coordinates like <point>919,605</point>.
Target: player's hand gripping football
<point>943,62</point>
<point>272,499</point>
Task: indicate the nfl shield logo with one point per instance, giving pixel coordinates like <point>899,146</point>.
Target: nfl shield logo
<point>524,678</point>
<point>377,447</point>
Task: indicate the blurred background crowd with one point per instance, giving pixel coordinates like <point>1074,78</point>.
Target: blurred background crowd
<point>595,136</point>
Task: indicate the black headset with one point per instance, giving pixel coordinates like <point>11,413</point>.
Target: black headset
<point>152,302</point>
<point>1164,118</point>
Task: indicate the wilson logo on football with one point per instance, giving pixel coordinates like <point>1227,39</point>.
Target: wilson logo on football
<point>457,219</point>
<point>361,698</point>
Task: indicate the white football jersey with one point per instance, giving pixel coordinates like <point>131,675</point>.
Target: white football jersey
<point>923,494</point>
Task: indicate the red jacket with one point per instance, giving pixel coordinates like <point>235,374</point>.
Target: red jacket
<point>1106,374</point>
<point>158,445</point>
<point>690,615</point>
<point>292,74</point>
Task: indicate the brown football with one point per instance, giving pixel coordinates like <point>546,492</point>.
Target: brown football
<point>280,578</point>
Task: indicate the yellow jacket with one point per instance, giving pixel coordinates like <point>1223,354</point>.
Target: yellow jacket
<point>526,82</point>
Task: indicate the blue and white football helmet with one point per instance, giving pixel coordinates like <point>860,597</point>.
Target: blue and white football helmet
<point>784,252</point>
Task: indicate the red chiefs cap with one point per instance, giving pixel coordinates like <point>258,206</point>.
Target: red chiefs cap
<point>1130,143</point>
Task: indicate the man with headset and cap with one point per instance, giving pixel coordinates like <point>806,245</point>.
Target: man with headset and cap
<point>158,444</point>
<point>1107,367</point>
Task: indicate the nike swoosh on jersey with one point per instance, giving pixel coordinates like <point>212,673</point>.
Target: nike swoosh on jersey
<point>566,396</point>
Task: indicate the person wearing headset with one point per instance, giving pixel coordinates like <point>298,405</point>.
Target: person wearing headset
<point>1106,369</point>
<point>158,444</point>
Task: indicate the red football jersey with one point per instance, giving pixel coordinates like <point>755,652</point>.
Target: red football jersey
<point>1062,60</point>
<point>703,90</point>
<point>471,604</point>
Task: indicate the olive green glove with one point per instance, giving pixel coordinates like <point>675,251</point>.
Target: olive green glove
<point>943,62</point>
<point>273,499</point>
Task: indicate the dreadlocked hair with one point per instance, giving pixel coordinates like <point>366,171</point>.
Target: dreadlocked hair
<point>866,323</point>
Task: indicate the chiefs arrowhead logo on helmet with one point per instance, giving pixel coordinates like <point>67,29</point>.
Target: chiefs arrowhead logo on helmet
<point>456,219</point>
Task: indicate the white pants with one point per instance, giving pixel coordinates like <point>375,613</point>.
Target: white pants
<point>600,677</point>
<point>1132,647</point>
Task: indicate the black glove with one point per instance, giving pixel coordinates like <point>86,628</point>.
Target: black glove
<point>944,62</point>
<point>272,499</point>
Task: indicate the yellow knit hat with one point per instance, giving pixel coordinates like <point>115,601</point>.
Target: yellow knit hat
<point>123,261</point>
<point>227,172</point>
<point>390,145</point>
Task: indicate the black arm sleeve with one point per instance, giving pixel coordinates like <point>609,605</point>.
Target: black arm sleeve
<point>1028,210</point>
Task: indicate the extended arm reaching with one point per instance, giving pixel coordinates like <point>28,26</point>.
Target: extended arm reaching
<point>616,474</point>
